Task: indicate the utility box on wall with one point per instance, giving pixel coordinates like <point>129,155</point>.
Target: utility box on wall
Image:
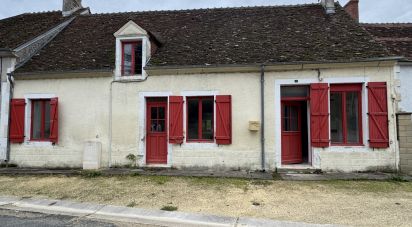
<point>92,155</point>
<point>254,126</point>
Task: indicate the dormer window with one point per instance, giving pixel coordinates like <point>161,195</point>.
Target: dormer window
<point>133,49</point>
<point>132,58</point>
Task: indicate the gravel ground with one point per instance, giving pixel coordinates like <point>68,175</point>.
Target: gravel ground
<point>358,203</point>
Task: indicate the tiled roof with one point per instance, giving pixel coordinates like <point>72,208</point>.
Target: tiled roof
<point>225,36</point>
<point>20,29</point>
<point>396,37</point>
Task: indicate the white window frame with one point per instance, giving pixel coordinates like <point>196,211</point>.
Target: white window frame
<point>27,120</point>
<point>145,56</point>
<point>193,144</point>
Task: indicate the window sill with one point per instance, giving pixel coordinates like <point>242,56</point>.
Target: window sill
<point>199,145</point>
<point>200,141</point>
<point>133,77</point>
<point>34,143</point>
<point>347,145</point>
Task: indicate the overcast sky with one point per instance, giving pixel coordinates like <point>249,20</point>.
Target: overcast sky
<point>370,10</point>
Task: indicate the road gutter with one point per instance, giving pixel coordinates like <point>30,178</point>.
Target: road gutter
<point>135,215</point>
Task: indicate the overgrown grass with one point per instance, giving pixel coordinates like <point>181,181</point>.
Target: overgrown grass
<point>90,173</point>
<point>360,186</point>
<point>213,181</point>
<point>157,179</point>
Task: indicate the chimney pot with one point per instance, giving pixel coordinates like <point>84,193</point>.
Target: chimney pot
<point>71,6</point>
<point>329,6</point>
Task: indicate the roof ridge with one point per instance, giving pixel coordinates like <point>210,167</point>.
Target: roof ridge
<point>40,12</point>
<point>205,9</point>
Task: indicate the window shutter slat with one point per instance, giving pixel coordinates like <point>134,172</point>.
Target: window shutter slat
<point>54,120</point>
<point>378,115</point>
<point>223,119</point>
<point>319,114</point>
<point>17,110</point>
<point>176,119</point>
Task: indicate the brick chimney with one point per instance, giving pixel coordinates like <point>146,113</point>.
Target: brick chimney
<point>71,6</point>
<point>352,8</point>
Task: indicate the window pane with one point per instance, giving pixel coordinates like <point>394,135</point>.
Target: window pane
<point>138,58</point>
<point>207,119</point>
<point>193,119</point>
<point>292,91</point>
<point>36,118</point>
<point>336,130</point>
<point>352,118</point>
<point>293,121</point>
<point>160,126</point>
<point>127,59</point>
<point>47,119</point>
<point>153,125</point>
<point>285,118</point>
<point>161,112</point>
<point>153,113</point>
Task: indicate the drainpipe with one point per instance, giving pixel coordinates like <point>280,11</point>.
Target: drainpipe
<point>262,106</point>
<point>111,111</point>
<point>10,80</point>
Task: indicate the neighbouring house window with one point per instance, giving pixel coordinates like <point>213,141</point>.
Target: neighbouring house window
<point>345,114</point>
<point>132,58</point>
<point>200,111</point>
<point>40,120</point>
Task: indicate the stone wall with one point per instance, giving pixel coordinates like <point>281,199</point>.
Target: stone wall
<point>405,142</point>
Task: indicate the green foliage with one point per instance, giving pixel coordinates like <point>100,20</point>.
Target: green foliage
<point>169,208</point>
<point>90,173</point>
<point>132,204</point>
<point>132,158</point>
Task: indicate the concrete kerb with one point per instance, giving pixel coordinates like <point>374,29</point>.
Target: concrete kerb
<point>135,215</point>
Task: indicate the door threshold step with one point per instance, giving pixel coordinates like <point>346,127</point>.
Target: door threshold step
<point>299,169</point>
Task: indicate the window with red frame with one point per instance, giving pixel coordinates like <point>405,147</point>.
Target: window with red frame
<point>346,114</point>
<point>200,112</point>
<point>132,58</point>
<point>40,120</point>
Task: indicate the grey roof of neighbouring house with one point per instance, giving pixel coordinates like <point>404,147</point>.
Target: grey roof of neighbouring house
<point>17,30</point>
<point>397,37</point>
<point>222,36</point>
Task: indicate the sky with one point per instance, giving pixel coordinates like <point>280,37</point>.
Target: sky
<point>371,11</point>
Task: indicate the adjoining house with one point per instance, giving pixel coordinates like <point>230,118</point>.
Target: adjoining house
<point>397,38</point>
<point>256,88</point>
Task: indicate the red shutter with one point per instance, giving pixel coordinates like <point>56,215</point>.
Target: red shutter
<point>176,119</point>
<point>54,120</point>
<point>17,110</point>
<point>319,115</point>
<point>378,115</point>
<point>223,119</point>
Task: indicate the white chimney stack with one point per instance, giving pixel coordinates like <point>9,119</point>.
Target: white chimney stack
<point>329,6</point>
<point>71,6</point>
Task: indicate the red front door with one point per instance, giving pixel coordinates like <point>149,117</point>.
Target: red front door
<point>291,132</point>
<point>156,128</point>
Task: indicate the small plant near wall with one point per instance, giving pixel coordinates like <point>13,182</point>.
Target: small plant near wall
<point>132,158</point>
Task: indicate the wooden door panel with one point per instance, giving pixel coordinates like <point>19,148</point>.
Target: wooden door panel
<point>291,133</point>
<point>156,128</point>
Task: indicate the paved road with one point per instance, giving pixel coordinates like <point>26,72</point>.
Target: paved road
<point>16,218</point>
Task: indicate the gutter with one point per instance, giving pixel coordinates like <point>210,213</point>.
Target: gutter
<point>262,106</point>
<point>301,63</point>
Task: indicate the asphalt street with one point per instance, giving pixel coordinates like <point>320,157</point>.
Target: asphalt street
<point>15,218</point>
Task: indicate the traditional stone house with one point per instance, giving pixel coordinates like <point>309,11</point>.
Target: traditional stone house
<point>250,88</point>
